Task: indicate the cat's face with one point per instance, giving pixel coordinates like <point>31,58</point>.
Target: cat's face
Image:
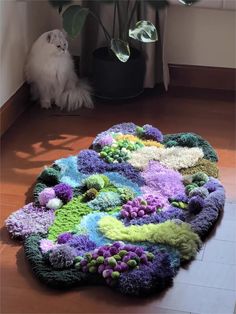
<point>58,42</point>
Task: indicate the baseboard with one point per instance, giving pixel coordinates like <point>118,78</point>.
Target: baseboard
<point>14,107</point>
<point>203,77</point>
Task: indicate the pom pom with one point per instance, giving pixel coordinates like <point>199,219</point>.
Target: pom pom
<point>149,132</point>
<point>195,204</point>
<point>54,203</point>
<point>90,194</point>
<point>106,140</point>
<point>46,195</point>
<point>62,257</point>
<point>39,187</point>
<point>64,237</point>
<point>201,191</point>
<point>188,140</point>
<point>95,181</point>
<point>64,192</point>
<point>49,176</point>
<point>200,178</point>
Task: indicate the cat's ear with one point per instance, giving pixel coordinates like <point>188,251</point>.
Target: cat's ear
<point>64,33</point>
<point>49,36</point>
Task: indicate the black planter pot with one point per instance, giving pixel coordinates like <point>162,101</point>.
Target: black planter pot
<point>113,79</point>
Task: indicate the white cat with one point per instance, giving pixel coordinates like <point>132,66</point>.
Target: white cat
<point>50,71</point>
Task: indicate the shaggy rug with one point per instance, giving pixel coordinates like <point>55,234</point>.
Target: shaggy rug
<point>127,213</point>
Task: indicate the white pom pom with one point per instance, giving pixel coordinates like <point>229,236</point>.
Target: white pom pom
<point>54,203</point>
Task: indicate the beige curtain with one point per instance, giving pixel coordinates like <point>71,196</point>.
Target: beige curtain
<point>93,37</point>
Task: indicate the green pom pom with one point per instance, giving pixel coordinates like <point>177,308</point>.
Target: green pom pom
<point>90,194</point>
<point>92,269</point>
<point>77,265</point>
<point>132,263</point>
<point>117,257</point>
<point>171,143</point>
<point>49,176</point>
<point>139,131</point>
<point>88,256</point>
<point>78,259</point>
<point>92,263</point>
<point>122,253</point>
<point>188,140</point>
<point>111,261</point>
<point>95,181</point>
<point>175,204</point>
<point>200,176</point>
<point>106,180</point>
<point>150,256</point>
<point>100,259</point>
<point>126,194</point>
<point>115,275</point>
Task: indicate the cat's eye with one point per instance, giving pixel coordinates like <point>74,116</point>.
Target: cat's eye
<point>58,46</point>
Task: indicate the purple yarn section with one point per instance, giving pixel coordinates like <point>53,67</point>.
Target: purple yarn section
<point>213,204</point>
<point>81,244</point>
<point>64,192</point>
<point>89,162</point>
<point>162,182</point>
<point>159,217</point>
<point>29,219</point>
<point>157,275</point>
<point>64,237</point>
<point>212,184</point>
<point>152,133</point>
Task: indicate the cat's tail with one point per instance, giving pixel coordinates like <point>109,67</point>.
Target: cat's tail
<point>76,97</point>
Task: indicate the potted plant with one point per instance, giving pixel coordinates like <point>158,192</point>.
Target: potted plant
<point>118,68</point>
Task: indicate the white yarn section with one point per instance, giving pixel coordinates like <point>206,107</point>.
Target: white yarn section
<point>54,203</point>
<point>172,157</point>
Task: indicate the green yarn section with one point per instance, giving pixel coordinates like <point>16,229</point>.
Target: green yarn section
<point>179,236</point>
<point>191,140</point>
<point>203,165</point>
<point>67,217</point>
<point>59,279</point>
<point>49,176</point>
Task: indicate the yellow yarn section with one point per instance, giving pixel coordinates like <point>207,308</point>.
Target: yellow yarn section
<point>152,143</point>
<point>129,137</point>
<point>170,233</point>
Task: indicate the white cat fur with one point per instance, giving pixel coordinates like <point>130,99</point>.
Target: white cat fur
<point>50,71</point>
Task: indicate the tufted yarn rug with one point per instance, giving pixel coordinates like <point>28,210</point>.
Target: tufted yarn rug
<point>126,213</point>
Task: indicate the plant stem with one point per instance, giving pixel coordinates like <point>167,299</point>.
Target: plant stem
<point>132,14</point>
<point>107,35</point>
<point>114,20</point>
<point>119,18</point>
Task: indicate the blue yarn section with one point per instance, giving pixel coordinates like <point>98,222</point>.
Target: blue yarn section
<point>105,200</point>
<point>120,181</point>
<point>89,226</point>
<point>69,172</point>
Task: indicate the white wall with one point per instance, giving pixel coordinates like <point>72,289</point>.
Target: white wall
<point>21,22</point>
<point>200,36</point>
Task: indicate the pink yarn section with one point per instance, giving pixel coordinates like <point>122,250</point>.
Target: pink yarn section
<point>162,182</point>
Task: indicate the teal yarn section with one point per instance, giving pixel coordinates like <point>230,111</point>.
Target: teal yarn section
<point>60,279</point>
<point>105,200</point>
<point>120,181</point>
<point>69,173</point>
<point>191,140</point>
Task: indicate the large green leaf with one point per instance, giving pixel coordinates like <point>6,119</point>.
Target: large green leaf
<point>188,2</point>
<point>144,31</point>
<point>74,18</point>
<point>120,49</point>
<point>158,4</point>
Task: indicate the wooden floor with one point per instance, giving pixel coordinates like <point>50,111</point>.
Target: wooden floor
<point>39,137</point>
